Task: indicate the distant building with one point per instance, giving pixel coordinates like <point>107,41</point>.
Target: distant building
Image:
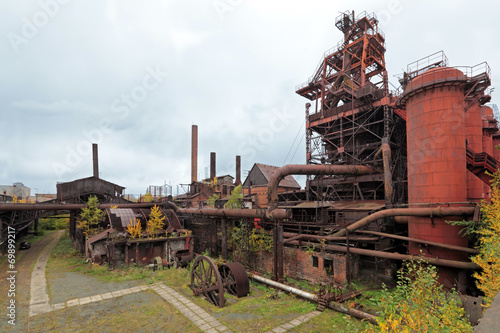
<point>255,185</point>
<point>17,189</point>
<point>199,192</point>
<point>41,197</point>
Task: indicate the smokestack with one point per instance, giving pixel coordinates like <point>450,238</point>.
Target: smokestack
<point>238,170</point>
<point>95,160</point>
<point>194,153</point>
<point>212,166</point>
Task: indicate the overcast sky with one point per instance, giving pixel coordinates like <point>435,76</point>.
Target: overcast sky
<point>134,76</point>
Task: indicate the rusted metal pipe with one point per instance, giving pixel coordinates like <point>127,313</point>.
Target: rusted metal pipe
<point>416,240</point>
<point>311,297</point>
<point>277,214</point>
<point>300,169</point>
<point>171,205</point>
<point>401,219</point>
<point>399,256</point>
<point>63,206</point>
<point>386,158</point>
<point>436,212</point>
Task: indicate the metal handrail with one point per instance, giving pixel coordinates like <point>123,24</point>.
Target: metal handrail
<point>423,63</point>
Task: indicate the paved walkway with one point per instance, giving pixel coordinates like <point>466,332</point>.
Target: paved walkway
<point>193,312</point>
<point>39,297</point>
<point>490,323</point>
<point>296,322</point>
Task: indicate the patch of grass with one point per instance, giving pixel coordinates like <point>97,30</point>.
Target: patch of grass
<point>272,307</point>
<point>141,312</point>
<point>302,284</point>
<point>332,321</point>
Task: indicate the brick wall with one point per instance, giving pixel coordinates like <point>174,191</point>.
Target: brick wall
<point>316,268</point>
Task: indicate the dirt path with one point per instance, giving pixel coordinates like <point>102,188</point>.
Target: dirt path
<point>39,296</point>
<point>22,286</point>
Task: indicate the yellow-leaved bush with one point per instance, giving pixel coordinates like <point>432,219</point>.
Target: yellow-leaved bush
<point>419,304</point>
<point>488,279</point>
<point>134,229</point>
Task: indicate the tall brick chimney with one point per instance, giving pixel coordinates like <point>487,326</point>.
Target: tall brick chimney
<point>194,153</point>
<point>238,171</point>
<point>95,160</point>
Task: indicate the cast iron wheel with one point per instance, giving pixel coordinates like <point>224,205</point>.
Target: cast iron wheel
<point>157,264</point>
<point>206,281</point>
<point>235,279</point>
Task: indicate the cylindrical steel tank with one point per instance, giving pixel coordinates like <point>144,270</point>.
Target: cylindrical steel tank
<point>496,142</point>
<point>437,170</point>
<point>488,118</point>
<point>474,136</point>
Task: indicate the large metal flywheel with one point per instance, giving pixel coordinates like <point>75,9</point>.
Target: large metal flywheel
<point>206,281</point>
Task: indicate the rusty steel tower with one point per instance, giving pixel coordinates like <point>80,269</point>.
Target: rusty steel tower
<point>352,115</point>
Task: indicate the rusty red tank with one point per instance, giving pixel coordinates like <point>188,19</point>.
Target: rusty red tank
<point>436,158</point>
<point>488,128</point>
<point>489,124</point>
<point>474,136</point>
<point>496,143</point>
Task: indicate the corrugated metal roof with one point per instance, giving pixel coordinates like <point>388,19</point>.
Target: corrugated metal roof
<point>267,171</point>
<point>100,236</point>
<point>120,217</point>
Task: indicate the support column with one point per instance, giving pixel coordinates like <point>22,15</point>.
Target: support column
<point>72,224</point>
<point>35,228</point>
<point>278,252</point>
<point>224,239</point>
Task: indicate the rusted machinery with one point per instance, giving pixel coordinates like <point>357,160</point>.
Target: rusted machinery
<point>181,259</point>
<point>332,292</point>
<point>210,281</point>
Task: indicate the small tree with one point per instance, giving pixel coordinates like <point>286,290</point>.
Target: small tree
<point>235,199</point>
<point>155,222</point>
<point>211,201</point>
<point>134,229</point>
<point>147,197</point>
<point>90,217</point>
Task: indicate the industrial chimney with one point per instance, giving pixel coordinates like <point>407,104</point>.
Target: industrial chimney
<point>194,153</point>
<point>95,160</point>
<point>212,166</point>
<point>238,170</point>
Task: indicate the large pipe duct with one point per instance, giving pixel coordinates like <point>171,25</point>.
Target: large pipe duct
<point>311,297</point>
<point>300,169</point>
<point>95,160</point>
<point>416,240</point>
<point>59,206</point>
<point>194,153</point>
<point>213,171</point>
<point>428,212</point>
<point>277,214</point>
